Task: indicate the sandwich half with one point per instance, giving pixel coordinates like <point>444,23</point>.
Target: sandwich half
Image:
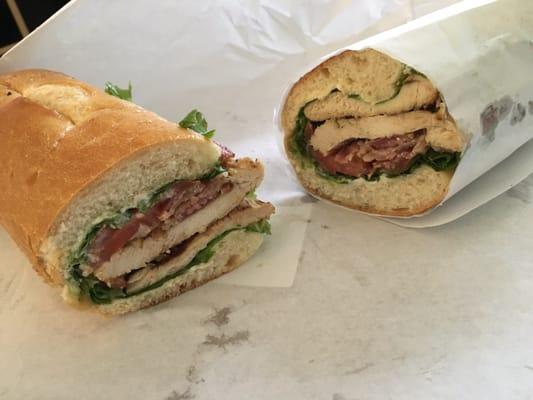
<point>117,205</point>
<point>368,132</point>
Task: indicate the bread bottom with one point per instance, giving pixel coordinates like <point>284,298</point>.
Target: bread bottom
<point>403,195</point>
<point>230,253</point>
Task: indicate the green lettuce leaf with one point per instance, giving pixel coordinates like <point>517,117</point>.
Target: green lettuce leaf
<point>262,226</point>
<point>219,169</point>
<point>114,90</point>
<point>93,289</point>
<point>441,161</point>
<point>195,121</point>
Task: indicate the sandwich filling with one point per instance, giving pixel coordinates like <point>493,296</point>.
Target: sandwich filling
<point>344,137</point>
<point>365,158</point>
<point>168,233</point>
<point>175,204</point>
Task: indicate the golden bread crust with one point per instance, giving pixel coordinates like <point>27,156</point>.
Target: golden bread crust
<point>57,137</point>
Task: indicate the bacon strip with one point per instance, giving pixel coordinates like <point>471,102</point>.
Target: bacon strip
<point>180,201</point>
<point>364,157</point>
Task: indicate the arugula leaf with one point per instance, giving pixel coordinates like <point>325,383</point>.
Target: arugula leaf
<point>94,289</point>
<point>145,204</point>
<point>406,73</point>
<point>208,251</point>
<point>262,226</point>
<point>217,170</point>
<point>100,293</point>
<point>344,179</point>
<point>336,178</point>
<point>80,256</point>
<point>299,143</point>
<point>441,161</point>
<point>119,220</point>
<point>196,122</point>
<point>415,163</point>
<point>114,90</point>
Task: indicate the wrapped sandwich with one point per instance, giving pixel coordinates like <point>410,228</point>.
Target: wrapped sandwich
<point>400,122</point>
<point>117,205</point>
<point>371,133</point>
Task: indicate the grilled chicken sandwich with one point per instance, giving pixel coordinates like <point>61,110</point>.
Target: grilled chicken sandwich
<point>368,132</point>
<point>121,207</point>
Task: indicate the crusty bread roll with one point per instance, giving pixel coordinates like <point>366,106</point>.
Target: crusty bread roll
<point>368,132</point>
<point>83,168</point>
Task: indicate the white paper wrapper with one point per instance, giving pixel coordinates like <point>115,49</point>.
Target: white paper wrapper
<point>480,56</point>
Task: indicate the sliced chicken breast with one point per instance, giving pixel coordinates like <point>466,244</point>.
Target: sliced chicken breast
<point>247,213</point>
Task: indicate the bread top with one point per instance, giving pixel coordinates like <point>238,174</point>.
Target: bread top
<point>368,73</point>
<point>366,85</point>
<point>57,137</point>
